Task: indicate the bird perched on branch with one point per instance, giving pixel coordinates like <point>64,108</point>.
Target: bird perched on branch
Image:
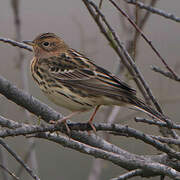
<point>73,81</point>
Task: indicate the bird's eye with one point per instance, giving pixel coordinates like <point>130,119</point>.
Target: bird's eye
<point>46,43</point>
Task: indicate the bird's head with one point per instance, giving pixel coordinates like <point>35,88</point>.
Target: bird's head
<point>47,44</point>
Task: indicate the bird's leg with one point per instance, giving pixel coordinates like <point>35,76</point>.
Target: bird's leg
<point>92,117</point>
<point>63,120</point>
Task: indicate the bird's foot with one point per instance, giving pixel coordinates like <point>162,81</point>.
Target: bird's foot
<point>63,120</point>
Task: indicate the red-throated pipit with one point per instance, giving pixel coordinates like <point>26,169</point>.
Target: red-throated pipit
<point>75,82</point>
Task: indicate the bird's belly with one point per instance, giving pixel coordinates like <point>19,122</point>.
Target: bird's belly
<point>69,100</point>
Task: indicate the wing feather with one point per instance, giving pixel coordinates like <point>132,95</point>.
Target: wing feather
<point>90,78</point>
<point>93,82</point>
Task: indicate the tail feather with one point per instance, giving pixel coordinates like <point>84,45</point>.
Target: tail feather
<point>139,104</point>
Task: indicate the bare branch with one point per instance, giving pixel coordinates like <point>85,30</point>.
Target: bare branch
<point>9,172</point>
<point>154,10</point>
<point>113,128</point>
<point>90,140</point>
<point>162,124</point>
<point>167,140</point>
<point>167,74</point>
<point>128,175</point>
<point>114,158</point>
<point>15,43</point>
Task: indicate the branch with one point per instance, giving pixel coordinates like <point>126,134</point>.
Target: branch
<point>154,10</point>
<point>167,74</point>
<point>9,172</point>
<point>162,124</point>
<point>117,159</point>
<point>15,43</point>
<point>114,128</point>
<point>166,140</point>
<point>128,175</point>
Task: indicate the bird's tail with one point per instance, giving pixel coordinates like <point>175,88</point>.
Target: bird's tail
<point>140,105</point>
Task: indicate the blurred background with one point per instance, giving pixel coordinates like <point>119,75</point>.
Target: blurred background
<point>71,20</point>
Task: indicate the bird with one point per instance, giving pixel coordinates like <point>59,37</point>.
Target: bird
<point>73,81</point>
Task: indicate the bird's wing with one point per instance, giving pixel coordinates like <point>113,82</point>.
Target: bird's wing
<point>93,80</point>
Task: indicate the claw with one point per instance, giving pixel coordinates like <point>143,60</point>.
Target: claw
<point>63,120</point>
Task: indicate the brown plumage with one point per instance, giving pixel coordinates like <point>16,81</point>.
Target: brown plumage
<point>75,82</point>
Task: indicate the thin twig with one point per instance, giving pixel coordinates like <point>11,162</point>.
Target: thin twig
<point>9,172</point>
<point>18,159</point>
<point>128,175</point>
<point>166,140</point>
<point>15,43</point>
<point>154,10</point>
<point>152,122</point>
<point>166,74</point>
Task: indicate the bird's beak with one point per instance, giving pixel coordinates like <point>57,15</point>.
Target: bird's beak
<point>30,43</point>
